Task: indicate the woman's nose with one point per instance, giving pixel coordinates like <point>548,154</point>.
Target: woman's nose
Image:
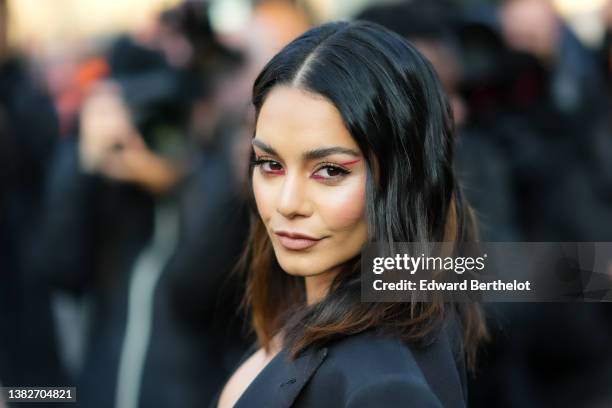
<point>293,198</point>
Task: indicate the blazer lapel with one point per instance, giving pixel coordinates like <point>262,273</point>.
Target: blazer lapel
<point>281,381</point>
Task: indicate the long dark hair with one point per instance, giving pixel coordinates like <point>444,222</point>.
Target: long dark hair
<point>394,107</point>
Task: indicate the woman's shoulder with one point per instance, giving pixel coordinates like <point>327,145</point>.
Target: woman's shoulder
<point>371,357</point>
<point>376,369</point>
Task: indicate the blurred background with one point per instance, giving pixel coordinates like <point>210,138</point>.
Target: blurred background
<point>124,138</point>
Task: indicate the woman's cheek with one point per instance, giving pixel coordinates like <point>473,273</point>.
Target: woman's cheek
<point>344,206</point>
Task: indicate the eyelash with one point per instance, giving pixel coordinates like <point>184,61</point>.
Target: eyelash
<point>343,172</point>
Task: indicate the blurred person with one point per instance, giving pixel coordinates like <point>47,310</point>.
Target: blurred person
<point>28,132</point>
<point>534,27</point>
<point>569,120</point>
<point>69,73</point>
<point>284,19</point>
<point>326,179</point>
<point>607,43</point>
<point>543,108</point>
<point>273,24</point>
<point>144,220</point>
<point>605,52</point>
<point>539,97</point>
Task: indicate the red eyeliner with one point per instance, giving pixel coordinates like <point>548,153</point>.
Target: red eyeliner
<point>350,162</point>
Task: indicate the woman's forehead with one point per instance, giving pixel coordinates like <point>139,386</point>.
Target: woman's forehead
<point>292,118</point>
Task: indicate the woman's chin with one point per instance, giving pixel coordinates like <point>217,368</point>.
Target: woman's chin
<point>298,271</point>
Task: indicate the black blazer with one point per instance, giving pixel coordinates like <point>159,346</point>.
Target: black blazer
<point>365,370</point>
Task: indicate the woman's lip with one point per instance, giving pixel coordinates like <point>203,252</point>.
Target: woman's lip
<point>295,235</point>
<point>296,242</point>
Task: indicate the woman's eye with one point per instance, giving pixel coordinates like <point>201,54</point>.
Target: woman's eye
<point>269,166</point>
<point>329,172</point>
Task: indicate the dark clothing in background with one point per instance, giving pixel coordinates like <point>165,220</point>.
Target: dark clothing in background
<point>551,160</point>
<point>486,178</point>
<point>535,163</point>
<point>96,234</point>
<point>545,355</point>
<point>29,129</point>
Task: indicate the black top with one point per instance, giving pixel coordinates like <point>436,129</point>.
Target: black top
<point>364,370</point>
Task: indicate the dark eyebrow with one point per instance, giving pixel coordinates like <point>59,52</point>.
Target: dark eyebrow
<point>328,151</point>
<point>263,146</point>
<point>311,154</point>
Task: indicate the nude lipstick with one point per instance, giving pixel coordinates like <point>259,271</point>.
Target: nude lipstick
<point>296,241</point>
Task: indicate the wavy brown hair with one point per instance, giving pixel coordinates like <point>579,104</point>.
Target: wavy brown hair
<point>392,103</point>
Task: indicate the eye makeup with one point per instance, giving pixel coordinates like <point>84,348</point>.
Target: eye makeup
<point>330,167</point>
<point>262,163</point>
<point>267,168</point>
<point>327,172</point>
<point>348,163</point>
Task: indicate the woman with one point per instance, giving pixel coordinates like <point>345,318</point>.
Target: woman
<point>353,144</point>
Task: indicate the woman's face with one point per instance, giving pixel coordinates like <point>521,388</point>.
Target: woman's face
<point>309,183</point>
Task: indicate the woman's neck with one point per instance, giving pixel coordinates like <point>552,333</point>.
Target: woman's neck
<point>318,285</point>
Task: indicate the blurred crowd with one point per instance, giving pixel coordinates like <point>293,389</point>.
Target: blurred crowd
<point>124,209</point>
